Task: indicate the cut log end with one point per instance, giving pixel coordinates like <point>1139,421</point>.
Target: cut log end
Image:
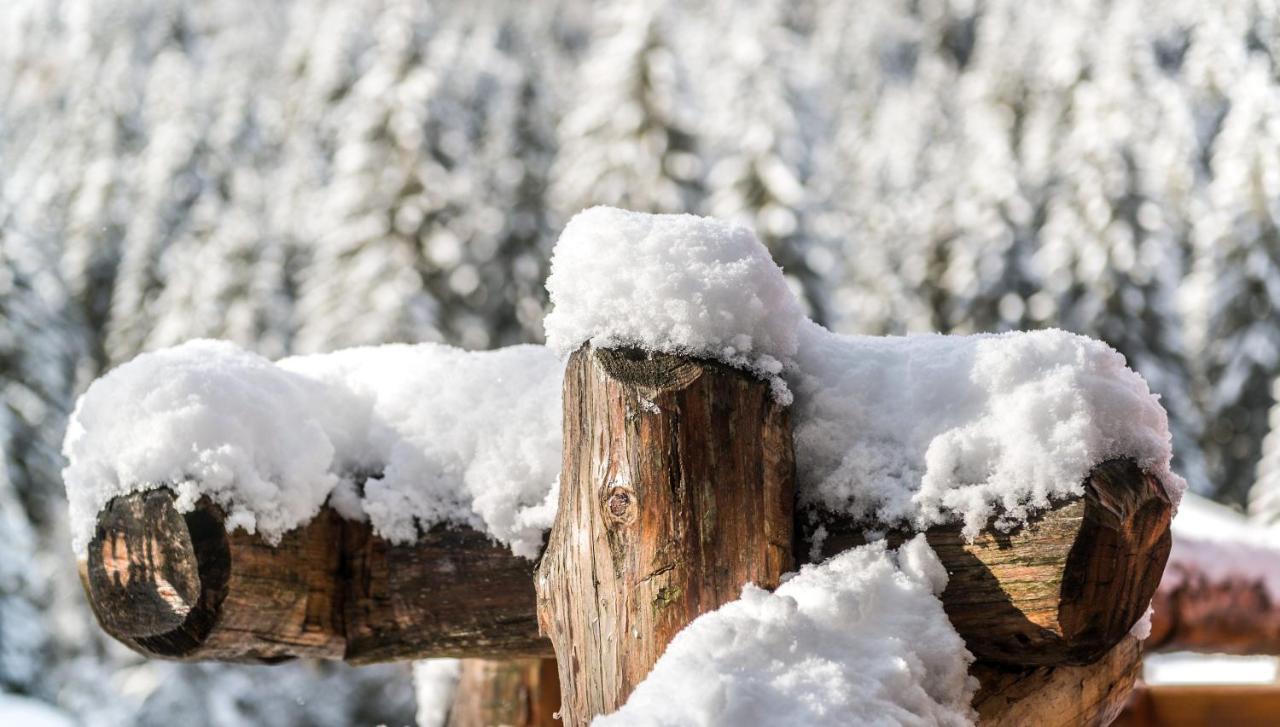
<point>157,577</point>
<point>1063,589</point>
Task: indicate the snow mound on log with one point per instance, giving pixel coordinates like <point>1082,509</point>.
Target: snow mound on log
<point>923,430</point>
<point>674,283</point>
<point>861,639</point>
<point>408,436</point>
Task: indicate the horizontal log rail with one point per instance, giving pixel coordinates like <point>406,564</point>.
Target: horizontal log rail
<point>1195,705</point>
<point>1062,590</point>
<point>180,586</point>
<point>1058,696</point>
<point>1236,616</point>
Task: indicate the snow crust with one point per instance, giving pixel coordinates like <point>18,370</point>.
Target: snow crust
<point>407,436</point>
<point>674,283</point>
<point>922,430</point>
<point>860,639</point>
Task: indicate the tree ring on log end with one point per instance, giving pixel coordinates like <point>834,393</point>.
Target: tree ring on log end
<point>157,577</point>
<point>650,369</point>
<point>1117,558</point>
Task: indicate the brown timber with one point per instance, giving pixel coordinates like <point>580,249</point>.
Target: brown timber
<point>511,692</point>
<point>676,490</point>
<point>1065,588</point>
<point>1058,696</point>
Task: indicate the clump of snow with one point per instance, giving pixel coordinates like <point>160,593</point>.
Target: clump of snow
<point>468,437</point>
<point>861,639</point>
<point>922,430</point>
<point>204,418</point>
<point>674,283</point>
<point>407,436</point>
<point>434,684</point>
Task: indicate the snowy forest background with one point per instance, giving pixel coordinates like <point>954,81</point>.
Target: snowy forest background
<point>304,175</point>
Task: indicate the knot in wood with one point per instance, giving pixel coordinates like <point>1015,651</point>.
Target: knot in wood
<point>619,506</point>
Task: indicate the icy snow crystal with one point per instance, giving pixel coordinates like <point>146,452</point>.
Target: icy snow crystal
<point>826,648</point>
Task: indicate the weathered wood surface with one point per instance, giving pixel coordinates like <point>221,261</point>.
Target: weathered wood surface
<point>1058,696</point>
<point>677,489</point>
<point>180,586</point>
<point>454,592</point>
<point>512,692</point>
<point>1232,617</point>
<point>1065,588</point>
<point>1197,705</point>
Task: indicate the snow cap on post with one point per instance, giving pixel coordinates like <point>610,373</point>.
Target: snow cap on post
<point>679,284</point>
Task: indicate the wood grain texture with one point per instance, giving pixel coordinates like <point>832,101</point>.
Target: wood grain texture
<point>178,585</point>
<point>677,488</point>
<point>1065,588</point>
<point>513,692</point>
<point>1058,696</point>
<point>454,592</point>
<point>1232,617</point>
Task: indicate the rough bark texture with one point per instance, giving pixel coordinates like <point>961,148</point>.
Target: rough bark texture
<point>178,585</point>
<point>454,592</point>
<point>1065,588</point>
<point>1236,705</point>
<point>1235,617</point>
<point>514,692</point>
<point>677,489</point>
<point>1061,696</point>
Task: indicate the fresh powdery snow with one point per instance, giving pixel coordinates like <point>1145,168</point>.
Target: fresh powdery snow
<point>428,432</point>
<point>921,430</point>
<point>673,283</point>
<point>860,639</point>
<point>907,431</point>
<point>911,431</point>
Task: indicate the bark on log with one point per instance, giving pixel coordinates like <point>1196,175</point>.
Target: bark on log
<point>1062,696</point>
<point>514,692</point>
<point>1232,617</point>
<point>1065,588</point>
<point>180,586</point>
<point>677,489</point>
<point>454,592</point>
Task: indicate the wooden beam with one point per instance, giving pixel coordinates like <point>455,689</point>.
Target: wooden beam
<point>454,592</point>
<point>178,585</point>
<point>512,692</point>
<point>1065,588</point>
<point>1061,696</point>
<point>677,489</point>
<point>1196,705</point>
<point>1199,614</point>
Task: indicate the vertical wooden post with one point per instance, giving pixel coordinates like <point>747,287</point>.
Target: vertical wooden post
<point>677,488</point>
<point>511,692</point>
